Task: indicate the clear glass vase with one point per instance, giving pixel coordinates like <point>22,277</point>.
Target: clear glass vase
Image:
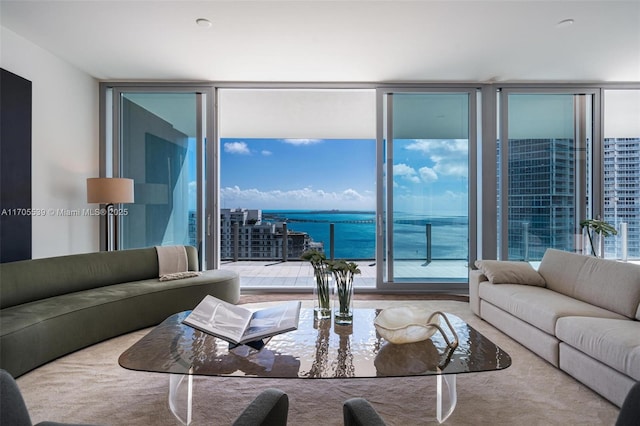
<point>322,294</point>
<point>343,303</point>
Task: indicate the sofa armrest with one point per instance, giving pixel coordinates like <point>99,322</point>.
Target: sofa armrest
<point>475,278</point>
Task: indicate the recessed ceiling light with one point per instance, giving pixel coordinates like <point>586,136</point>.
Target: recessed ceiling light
<point>565,23</point>
<point>203,22</point>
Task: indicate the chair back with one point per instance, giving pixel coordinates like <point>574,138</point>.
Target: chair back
<point>359,412</point>
<point>269,408</point>
<point>630,411</point>
<point>14,411</point>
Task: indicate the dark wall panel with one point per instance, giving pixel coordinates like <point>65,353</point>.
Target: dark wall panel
<point>15,167</point>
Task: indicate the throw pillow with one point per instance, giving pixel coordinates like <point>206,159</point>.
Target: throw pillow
<point>510,272</point>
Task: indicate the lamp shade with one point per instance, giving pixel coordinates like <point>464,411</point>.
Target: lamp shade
<point>109,190</point>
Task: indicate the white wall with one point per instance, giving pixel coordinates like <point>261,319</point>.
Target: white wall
<point>64,145</point>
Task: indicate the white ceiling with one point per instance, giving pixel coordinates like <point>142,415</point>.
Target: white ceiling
<point>354,41</point>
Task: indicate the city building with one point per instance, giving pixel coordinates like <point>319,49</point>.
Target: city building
<point>244,236</point>
<point>622,195</point>
<point>541,197</point>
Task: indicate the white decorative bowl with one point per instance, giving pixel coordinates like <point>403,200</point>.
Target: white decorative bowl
<point>405,324</point>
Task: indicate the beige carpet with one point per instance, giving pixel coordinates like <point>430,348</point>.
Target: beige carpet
<point>90,386</point>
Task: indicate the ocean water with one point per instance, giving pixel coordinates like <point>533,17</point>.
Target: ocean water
<point>354,233</point>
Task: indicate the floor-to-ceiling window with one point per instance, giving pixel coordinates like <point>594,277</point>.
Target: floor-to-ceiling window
<point>158,141</point>
<point>297,172</point>
<point>545,180</point>
<point>393,189</point>
<point>427,140</point>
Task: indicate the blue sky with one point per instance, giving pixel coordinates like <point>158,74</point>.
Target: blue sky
<point>430,176</point>
<point>298,174</point>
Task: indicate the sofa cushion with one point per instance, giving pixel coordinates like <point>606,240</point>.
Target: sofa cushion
<point>509,272</point>
<point>539,306</point>
<point>560,270</point>
<point>616,343</point>
<point>609,284</point>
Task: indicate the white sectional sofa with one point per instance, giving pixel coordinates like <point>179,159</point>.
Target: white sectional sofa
<point>580,313</point>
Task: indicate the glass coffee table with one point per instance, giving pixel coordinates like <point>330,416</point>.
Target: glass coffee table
<point>316,350</point>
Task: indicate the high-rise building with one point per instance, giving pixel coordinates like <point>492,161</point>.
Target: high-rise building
<point>541,197</point>
<point>243,235</point>
<point>622,194</point>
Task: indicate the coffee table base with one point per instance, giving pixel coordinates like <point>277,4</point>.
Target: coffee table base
<point>447,397</point>
<point>181,396</point>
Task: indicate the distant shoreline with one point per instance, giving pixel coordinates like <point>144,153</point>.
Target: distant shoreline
<point>332,211</point>
<point>368,212</point>
<point>355,232</point>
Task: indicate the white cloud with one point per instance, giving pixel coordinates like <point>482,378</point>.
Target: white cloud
<point>402,169</point>
<point>236,148</point>
<point>420,145</point>
<point>451,168</point>
<point>428,146</point>
<point>266,153</point>
<point>424,175</point>
<point>304,198</point>
<point>406,172</point>
<point>449,156</point>
<point>298,142</point>
<point>448,203</point>
<point>352,194</point>
<point>428,174</point>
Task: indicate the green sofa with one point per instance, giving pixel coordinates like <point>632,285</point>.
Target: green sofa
<point>54,306</point>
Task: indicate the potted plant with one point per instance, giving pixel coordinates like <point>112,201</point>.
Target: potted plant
<point>343,273</point>
<point>322,289</point>
<point>600,227</point>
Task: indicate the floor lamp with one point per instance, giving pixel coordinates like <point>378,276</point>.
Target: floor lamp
<point>110,191</point>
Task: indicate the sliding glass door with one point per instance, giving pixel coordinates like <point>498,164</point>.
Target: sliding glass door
<point>547,159</point>
<point>426,145</point>
<point>160,143</point>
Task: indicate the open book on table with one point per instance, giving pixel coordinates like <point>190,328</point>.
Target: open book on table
<point>240,325</point>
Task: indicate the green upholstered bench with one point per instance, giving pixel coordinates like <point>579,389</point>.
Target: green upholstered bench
<point>54,306</point>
